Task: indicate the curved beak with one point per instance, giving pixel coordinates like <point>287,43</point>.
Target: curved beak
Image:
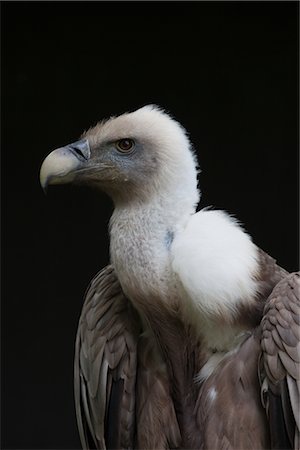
<point>61,165</point>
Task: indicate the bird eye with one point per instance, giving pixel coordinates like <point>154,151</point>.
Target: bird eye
<point>125,145</point>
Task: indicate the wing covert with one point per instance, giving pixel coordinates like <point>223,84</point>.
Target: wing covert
<point>281,358</point>
<point>105,365</point>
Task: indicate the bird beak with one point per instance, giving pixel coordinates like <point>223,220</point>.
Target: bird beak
<point>61,165</point>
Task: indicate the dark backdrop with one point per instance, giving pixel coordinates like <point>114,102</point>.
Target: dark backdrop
<point>226,71</point>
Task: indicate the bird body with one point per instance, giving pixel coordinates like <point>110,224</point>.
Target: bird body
<point>173,334</point>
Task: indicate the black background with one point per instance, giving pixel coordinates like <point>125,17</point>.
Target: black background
<point>227,71</point>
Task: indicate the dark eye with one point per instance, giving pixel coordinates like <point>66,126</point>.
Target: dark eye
<point>125,145</point>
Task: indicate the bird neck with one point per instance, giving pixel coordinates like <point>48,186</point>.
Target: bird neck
<point>140,238</point>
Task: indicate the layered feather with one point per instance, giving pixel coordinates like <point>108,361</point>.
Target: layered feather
<point>106,365</point>
<point>281,357</point>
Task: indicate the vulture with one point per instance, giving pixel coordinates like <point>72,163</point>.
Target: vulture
<point>189,338</point>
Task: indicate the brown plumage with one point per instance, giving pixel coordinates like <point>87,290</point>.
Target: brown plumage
<point>228,412</point>
<point>281,361</point>
<point>190,338</point>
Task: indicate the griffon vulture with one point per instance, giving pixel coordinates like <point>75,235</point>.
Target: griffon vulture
<point>189,339</point>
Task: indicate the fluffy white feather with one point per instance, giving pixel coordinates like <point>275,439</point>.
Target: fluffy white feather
<point>216,262</point>
<point>209,367</point>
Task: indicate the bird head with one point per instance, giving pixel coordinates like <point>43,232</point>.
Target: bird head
<point>132,156</point>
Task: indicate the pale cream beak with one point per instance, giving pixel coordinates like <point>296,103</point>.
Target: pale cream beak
<point>60,166</point>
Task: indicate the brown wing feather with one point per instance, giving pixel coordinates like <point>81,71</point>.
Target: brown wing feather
<point>105,366</point>
<point>269,275</point>
<point>157,426</point>
<point>281,351</point>
<point>229,409</point>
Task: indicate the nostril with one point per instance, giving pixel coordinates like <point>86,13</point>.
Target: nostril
<point>77,151</point>
<point>80,149</point>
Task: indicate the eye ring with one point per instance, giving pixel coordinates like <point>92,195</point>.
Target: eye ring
<point>125,145</point>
